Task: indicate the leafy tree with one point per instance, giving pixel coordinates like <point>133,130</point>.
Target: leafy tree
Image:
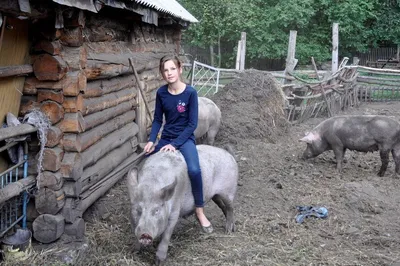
<point>362,24</point>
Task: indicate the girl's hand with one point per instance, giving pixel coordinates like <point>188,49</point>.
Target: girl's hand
<point>168,147</point>
<point>149,147</point>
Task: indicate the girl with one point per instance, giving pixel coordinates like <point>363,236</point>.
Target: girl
<point>179,103</point>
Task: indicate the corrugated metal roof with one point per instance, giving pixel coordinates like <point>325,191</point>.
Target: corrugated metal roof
<point>171,7</point>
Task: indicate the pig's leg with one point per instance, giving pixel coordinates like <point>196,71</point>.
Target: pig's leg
<point>212,132</point>
<point>162,249</point>
<point>339,152</point>
<point>384,153</point>
<point>396,158</point>
<point>226,206</point>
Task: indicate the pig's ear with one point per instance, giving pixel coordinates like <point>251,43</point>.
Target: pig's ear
<point>167,192</point>
<point>132,182</point>
<point>309,138</point>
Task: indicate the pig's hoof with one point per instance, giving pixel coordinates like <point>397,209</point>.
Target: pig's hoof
<point>159,262</point>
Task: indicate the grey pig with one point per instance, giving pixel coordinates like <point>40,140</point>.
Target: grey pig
<point>209,121</point>
<point>160,192</point>
<point>364,133</point>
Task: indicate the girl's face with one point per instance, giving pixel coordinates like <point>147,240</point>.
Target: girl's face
<point>171,72</point>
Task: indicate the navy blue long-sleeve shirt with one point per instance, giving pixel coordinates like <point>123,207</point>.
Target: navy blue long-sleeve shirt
<point>181,115</point>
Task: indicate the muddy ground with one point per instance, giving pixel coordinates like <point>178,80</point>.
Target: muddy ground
<point>362,227</point>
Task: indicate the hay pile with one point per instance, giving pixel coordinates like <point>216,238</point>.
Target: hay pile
<point>252,107</point>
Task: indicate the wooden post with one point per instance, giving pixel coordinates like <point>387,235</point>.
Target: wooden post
<point>290,60</point>
<point>238,55</point>
<point>242,50</point>
<point>315,67</point>
<point>335,47</point>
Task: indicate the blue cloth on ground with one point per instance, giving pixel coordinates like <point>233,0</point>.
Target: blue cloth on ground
<point>310,211</point>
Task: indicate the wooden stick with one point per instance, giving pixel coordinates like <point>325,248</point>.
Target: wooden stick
<point>141,89</point>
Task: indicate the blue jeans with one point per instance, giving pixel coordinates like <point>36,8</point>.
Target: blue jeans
<point>189,152</point>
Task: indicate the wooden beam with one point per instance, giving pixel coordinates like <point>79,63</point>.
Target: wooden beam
<point>10,71</point>
<point>14,189</point>
<point>10,132</point>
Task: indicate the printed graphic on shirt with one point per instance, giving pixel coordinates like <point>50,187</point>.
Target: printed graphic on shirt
<point>181,107</point>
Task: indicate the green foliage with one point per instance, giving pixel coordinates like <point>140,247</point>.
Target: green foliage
<point>362,24</point>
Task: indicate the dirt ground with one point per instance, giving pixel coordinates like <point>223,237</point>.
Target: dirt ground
<point>362,227</point>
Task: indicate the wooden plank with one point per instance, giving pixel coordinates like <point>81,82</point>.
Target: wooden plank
<point>14,50</point>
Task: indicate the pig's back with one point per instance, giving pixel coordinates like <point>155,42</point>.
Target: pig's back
<point>362,133</point>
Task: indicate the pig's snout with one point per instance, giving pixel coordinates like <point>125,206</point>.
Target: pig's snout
<point>145,239</point>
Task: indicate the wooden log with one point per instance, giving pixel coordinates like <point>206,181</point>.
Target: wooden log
<point>103,66</point>
<point>52,158</point>
<point>73,104</point>
<point>100,87</point>
<point>47,67</point>
<point>14,189</point>
<point>93,105</point>
<point>71,84</point>
<point>11,71</point>
<point>98,118</point>
<point>49,201</point>
<point>80,142</point>
<point>10,132</point>
<point>77,19</point>
<point>72,37</point>
<point>73,188</point>
<point>75,57</point>
<point>53,110</point>
<point>50,180</point>
<point>72,123</point>
<point>50,47</point>
<point>54,136</point>
<point>105,165</point>
<point>76,229</point>
<point>74,209</point>
<point>44,95</point>
<point>107,143</point>
<point>104,34</point>
<point>28,103</point>
<point>153,85</point>
<point>48,228</point>
<point>71,166</point>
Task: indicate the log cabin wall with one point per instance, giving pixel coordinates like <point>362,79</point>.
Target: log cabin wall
<point>82,81</point>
